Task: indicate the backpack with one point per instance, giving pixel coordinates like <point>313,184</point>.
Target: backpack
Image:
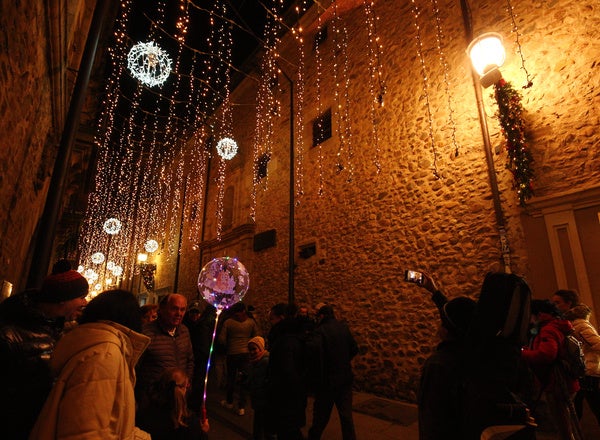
<point>571,359</point>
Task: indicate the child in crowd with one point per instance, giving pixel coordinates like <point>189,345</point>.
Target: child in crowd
<point>168,417</point>
<point>257,387</point>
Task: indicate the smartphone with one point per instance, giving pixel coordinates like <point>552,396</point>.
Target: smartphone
<point>412,276</point>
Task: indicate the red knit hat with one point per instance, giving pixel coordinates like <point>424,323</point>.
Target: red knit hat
<point>63,286</point>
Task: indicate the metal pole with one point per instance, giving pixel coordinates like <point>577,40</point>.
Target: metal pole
<point>47,224</point>
<point>176,282</point>
<point>487,144</point>
<point>291,249</point>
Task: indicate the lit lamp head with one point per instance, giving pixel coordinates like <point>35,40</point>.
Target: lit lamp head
<point>487,55</point>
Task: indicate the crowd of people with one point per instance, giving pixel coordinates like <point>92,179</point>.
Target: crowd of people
<point>112,369</point>
<point>499,368</point>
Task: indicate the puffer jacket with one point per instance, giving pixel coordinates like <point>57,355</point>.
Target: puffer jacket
<point>93,394</point>
<point>544,353</point>
<point>587,334</point>
<point>27,339</point>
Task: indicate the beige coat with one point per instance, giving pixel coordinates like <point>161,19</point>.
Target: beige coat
<point>92,397</point>
<point>587,334</point>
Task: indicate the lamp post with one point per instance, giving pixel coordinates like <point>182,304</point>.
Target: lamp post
<point>291,249</point>
<point>481,46</point>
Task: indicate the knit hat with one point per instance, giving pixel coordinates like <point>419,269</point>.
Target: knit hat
<point>457,315</point>
<point>259,342</point>
<point>63,286</point>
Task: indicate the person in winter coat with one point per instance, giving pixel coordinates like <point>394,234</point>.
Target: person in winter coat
<point>168,416</point>
<point>339,348</point>
<point>257,388</point>
<point>587,334</point>
<point>234,335</point>
<point>31,323</point>
<point>93,396</point>
<point>546,348</point>
<point>286,392</point>
<point>170,345</point>
<point>440,389</point>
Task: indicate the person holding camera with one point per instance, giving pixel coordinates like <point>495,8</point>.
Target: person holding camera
<point>440,388</point>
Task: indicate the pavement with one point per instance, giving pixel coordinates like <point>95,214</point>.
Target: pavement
<point>375,418</point>
<point>390,420</point>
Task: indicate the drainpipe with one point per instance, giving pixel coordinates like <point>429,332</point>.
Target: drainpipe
<point>487,144</point>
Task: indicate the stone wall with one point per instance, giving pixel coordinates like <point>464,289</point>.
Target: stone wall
<point>369,226</point>
<point>26,131</point>
<point>40,47</point>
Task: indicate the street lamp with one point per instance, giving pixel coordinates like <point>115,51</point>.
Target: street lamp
<point>487,55</point>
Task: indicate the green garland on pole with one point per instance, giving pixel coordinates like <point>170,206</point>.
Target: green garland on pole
<point>510,115</point>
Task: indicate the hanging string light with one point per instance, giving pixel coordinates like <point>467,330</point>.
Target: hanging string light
<point>376,84</point>
<point>515,30</point>
<point>419,43</point>
<point>341,96</point>
<point>439,34</point>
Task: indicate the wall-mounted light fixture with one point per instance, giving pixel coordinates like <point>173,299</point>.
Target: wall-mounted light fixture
<point>487,56</point>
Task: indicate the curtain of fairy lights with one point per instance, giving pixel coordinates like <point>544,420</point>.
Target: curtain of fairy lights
<point>267,102</point>
<point>376,81</point>
<point>341,78</point>
<point>222,34</point>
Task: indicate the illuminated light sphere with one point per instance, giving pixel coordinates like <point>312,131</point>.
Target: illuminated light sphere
<point>98,287</point>
<point>110,265</point>
<point>223,282</point>
<point>117,271</point>
<point>97,258</point>
<point>112,226</point>
<point>151,246</point>
<point>227,148</point>
<point>108,281</point>
<point>149,63</point>
<point>80,268</point>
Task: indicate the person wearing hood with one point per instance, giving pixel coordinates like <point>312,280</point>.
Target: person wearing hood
<point>257,387</point>
<point>93,396</point>
<point>587,334</point>
<point>542,355</point>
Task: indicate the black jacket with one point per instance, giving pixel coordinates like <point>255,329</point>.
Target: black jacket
<point>27,340</point>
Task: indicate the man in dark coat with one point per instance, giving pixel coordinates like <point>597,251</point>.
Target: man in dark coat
<point>338,349</point>
<point>170,346</point>
<point>31,323</point>
<point>286,392</point>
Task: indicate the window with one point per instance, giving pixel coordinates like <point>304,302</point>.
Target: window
<point>262,165</point>
<point>322,128</point>
<point>320,37</point>
<point>265,240</point>
<point>308,250</point>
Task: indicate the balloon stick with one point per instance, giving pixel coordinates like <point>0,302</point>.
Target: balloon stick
<point>212,344</point>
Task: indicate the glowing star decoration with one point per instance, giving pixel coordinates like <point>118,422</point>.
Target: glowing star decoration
<point>149,63</point>
<point>80,269</point>
<point>151,246</point>
<point>227,148</point>
<point>97,258</point>
<point>223,282</point>
<point>112,226</point>
<point>110,265</point>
